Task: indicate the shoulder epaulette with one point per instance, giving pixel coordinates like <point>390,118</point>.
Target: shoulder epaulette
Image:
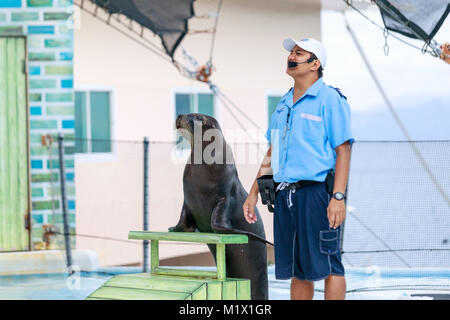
<point>339,91</point>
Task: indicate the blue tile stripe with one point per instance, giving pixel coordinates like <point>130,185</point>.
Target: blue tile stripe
<point>34,70</point>
<point>70,176</point>
<point>36,164</point>
<point>11,3</point>
<point>68,124</point>
<point>38,218</point>
<point>65,56</point>
<point>41,29</point>
<point>67,83</point>
<point>35,111</point>
<point>71,204</point>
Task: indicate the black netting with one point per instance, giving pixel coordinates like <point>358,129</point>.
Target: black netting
<point>167,19</point>
<point>398,205</point>
<point>419,19</point>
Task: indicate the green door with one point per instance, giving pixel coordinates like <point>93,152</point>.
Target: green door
<point>14,159</point>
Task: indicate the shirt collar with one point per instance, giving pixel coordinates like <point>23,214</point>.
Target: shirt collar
<point>313,90</point>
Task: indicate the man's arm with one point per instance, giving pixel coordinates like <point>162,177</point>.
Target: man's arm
<point>342,169</point>
<point>263,170</point>
<point>252,198</point>
<point>336,208</point>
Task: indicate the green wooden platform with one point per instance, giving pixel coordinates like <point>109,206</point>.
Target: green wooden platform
<point>178,284</point>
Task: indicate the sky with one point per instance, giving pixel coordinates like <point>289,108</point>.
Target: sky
<point>415,83</point>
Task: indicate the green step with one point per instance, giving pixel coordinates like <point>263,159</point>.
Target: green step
<point>134,294</point>
<point>157,287</point>
<point>178,284</point>
<point>198,237</point>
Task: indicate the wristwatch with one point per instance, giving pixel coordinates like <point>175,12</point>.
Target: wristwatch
<point>338,196</point>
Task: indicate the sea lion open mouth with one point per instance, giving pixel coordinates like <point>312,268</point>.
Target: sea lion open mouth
<point>197,128</point>
<point>186,121</point>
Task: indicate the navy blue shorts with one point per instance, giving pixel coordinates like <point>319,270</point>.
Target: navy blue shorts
<point>305,246</point>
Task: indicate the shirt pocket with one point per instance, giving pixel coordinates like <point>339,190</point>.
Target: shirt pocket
<point>312,126</point>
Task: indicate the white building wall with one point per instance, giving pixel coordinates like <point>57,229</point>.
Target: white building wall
<point>250,64</point>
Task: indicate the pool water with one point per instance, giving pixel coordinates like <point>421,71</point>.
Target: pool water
<point>362,284</point>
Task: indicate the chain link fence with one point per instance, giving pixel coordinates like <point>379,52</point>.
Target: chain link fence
<point>397,206</point>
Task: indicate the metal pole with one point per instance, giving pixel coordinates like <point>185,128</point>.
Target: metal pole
<point>146,257</point>
<point>62,178</point>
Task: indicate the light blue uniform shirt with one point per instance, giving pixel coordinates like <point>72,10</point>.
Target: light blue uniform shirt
<point>303,148</point>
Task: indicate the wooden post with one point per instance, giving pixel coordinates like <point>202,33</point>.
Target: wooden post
<point>155,256</point>
<point>198,237</point>
<point>220,258</point>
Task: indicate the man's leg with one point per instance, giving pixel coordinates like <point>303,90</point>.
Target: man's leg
<point>301,289</point>
<point>335,287</point>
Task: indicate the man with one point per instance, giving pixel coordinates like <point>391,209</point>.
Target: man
<point>309,135</point>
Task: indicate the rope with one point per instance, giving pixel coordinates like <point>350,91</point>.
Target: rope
<point>214,34</point>
<point>184,71</point>
<point>216,93</point>
<point>148,44</point>
<point>215,88</point>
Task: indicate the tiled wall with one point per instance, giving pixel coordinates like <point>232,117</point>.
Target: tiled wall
<point>48,28</point>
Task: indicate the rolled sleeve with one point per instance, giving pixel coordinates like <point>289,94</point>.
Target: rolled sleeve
<point>337,118</point>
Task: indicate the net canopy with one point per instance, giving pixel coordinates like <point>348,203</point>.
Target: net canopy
<point>418,19</point>
<point>398,205</point>
<point>167,19</point>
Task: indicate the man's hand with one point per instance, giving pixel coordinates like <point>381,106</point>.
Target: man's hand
<point>249,208</point>
<point>336,212</point>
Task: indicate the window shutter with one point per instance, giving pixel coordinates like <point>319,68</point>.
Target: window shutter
<point>80,123</point>
<point>182,104</point>
<point>206,104</point>
<point>100,121</point>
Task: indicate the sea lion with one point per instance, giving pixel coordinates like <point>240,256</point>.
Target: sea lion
<point>213,200</point>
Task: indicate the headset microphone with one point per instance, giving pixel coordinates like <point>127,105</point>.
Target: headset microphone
<point>293,64</point>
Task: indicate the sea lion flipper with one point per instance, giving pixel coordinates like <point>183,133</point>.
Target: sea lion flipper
<point>248,233</point>
<point>186,223</point>
<point>221,224</point>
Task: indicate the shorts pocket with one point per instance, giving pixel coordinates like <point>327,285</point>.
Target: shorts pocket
<point>329,241</point>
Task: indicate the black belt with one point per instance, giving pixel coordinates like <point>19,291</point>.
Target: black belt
<point>267,187</point>
<point>301,183</point>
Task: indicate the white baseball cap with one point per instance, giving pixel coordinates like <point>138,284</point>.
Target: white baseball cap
<point>308,44</point>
